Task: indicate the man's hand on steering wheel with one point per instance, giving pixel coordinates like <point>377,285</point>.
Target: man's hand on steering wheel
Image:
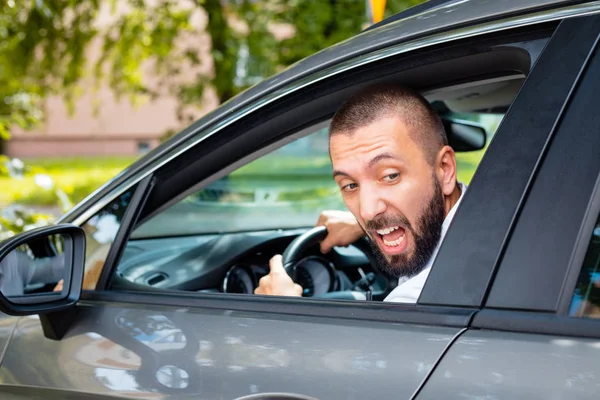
<point>342,230</point>
<point>278,282</point>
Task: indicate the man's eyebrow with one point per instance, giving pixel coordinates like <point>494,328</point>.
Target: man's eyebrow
<point>339,173</point>
<point>383,156</point>
<point>374,160</point>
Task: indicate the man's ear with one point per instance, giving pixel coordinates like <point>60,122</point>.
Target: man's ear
<point>446,170</point>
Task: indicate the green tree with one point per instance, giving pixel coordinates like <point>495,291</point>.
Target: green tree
<point>320,24</point>
<point>41,53</point>
<point>43,46</point>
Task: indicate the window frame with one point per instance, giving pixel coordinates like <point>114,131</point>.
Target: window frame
<point>439,315</point>
<point>250,133</point>
<point>131,214</point>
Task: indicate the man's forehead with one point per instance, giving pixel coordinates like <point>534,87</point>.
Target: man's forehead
<point>388,134</point>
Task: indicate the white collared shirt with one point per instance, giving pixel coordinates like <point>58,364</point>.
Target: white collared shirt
<point>409,289</point>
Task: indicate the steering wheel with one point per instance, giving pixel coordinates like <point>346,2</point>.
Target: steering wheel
<point>293,254</point>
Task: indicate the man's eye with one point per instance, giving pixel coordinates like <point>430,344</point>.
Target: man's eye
<point>391,177</point>
<point>349,187</point>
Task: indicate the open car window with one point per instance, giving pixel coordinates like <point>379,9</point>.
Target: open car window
<point>220,238</point>
<point>285,189</point>
<point>215,228</point>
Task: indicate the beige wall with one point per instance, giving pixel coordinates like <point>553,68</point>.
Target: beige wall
<point>52,146</point>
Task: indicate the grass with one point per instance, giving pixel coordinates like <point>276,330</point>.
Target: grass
<point>77,177</point>
<point>79,163</point>
<point>80,176</point>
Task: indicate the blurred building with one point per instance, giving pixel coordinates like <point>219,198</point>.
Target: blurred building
<point>118,127</point>
<point>104,125</point>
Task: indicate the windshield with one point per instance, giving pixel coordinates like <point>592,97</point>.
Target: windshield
<point>285,189</point>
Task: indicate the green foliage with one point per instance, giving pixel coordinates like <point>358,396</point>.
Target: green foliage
<point>80,164</point>
<point>395,6</point>
<point>76,178</point>
<point>15,219</point>
<point>42,45</point>
<point>243,59</point>
<point>320,24</point>
<point>147,33</point>
<point>26,204</point>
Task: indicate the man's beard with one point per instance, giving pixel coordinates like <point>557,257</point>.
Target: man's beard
<point>429,226</point>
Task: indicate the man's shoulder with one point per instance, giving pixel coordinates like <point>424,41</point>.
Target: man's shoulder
<point>409,290</point>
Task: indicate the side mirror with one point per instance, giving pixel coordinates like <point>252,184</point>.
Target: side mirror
<point>41,270</point>
<point>464,135</point>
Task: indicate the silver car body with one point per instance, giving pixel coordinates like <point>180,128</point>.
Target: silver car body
<point>157,347</point>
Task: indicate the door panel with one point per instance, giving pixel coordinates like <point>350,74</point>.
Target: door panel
<point>504,365</point>
<point>7,325</point>
<point>126,351</point>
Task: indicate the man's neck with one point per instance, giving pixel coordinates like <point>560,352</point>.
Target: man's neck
<point>452,199</point>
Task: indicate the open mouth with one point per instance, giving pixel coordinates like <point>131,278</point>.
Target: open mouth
<point>392,239</point>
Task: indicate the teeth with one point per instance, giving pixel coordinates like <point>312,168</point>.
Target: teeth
<point>385,231</point>
<point>394,243</point>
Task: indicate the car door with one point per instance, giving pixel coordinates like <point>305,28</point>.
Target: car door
<point>157,344</point>
<point>537,336</point>
<point>213,346</point>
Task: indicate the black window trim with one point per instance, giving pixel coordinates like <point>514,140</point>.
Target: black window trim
<point>127,223</point>
<point>536,323</point>
<point>471,252</point>
<point>517,284</point>
<point>546,323</point>
<point>104,195</point>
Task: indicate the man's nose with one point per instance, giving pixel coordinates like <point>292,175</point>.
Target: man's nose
<point>371,204</point>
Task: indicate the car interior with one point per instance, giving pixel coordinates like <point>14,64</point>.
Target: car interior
<point>234,262</point>
<point>170,251</point>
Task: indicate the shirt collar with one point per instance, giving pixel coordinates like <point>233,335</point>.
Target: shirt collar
<point>445,225</point>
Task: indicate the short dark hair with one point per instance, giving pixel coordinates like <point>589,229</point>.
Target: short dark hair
<point>375,102</point>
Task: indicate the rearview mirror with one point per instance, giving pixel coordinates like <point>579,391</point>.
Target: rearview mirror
<point>464,135</point>
<point>41,270</point>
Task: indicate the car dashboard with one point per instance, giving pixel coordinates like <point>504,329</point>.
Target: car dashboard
<point>235,262</point>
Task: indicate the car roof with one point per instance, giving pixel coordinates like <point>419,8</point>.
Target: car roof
<point>432,17</point>
<point>425,6</point>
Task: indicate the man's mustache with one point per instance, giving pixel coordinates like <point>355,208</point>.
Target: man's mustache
<point>384,221</point>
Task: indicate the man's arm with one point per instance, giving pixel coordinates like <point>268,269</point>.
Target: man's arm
<point>18,270</point>
<point>45,270</point>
